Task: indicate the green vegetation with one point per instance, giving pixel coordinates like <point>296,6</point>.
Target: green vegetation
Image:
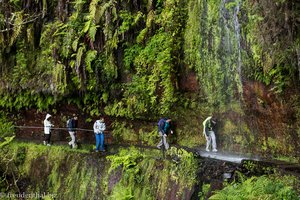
<point>142,60</point>
<point>132,173</point>
<point>264,187</point>
<point>275,47</point>
<point>78,174</point>
<point>6,130</point>
<point>77,54</point>
<point>123,132</point>
<point>146,176</point>
<point>211,49</point>
<point>57,165</point>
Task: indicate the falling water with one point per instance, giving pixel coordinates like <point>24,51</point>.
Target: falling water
<point>232,60</point>
<point>238,40</point>
<point>230,56</point>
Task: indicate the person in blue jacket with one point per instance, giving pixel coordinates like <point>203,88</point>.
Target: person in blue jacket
<point>72,125</point>
<point>163,130</point>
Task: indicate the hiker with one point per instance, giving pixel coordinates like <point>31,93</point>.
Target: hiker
<point>209,134</point>
<point>99,128</point>
<point>163,130</point>
<point>47,130</point>
<point>72,125</point>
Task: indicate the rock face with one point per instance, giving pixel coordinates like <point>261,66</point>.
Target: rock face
<point>142,61</point>
<point>136,173</point>
<point>272,119</point>
<point>261,124</point>
<point>79,174</point>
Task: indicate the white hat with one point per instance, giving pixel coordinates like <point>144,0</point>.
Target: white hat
<point>47,116</point>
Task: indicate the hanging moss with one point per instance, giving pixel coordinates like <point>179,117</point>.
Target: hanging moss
<point>73,44</point>
<point>211,40</point>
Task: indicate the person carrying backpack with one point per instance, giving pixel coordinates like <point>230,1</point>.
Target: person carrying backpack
<point>72,125</point>
<point>99,128</point>
<point>163,130</point>
<point>209,134</point>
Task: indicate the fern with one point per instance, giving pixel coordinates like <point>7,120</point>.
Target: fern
<point>59,78</point>
<point>75,44</point>
<point>90,56</point>
<point>78,6</point>
<point>273,187</point>
<point>18,25</point>
<point>79,55</point>
<point>87,26</point>
<point>92,32</point>
<point>104,7</point>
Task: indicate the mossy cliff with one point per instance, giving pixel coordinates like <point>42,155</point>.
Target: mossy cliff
<point>78,174</point>
<point>142,60</point>
<point>34,171</point>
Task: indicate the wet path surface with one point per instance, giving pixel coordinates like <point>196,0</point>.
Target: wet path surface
<point>243,159</point>
<point>226,156</point>
<point>285,167</point>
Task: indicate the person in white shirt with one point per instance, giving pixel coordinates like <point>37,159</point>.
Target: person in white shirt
<point>47,130</point>
<point>99,128</point>
<point>209,134</point>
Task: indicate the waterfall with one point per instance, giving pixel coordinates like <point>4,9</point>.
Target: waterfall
<point>238,40</point>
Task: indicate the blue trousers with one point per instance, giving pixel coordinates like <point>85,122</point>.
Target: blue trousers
<point>99,141</point>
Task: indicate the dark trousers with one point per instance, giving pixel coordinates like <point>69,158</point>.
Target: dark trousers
<point>47,138</point>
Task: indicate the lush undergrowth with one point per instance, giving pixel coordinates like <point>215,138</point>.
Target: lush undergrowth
<point>128,173</point>
<point>78,174</point>
<point>273,187</point>
<point>145,177</point>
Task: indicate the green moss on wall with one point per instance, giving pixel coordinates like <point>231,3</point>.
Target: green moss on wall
<point>73,174</point>
<point>129,59</point>
<point>145,175</point>
<point>212,49</point>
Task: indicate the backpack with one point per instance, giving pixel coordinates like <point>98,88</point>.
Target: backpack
<point>70,124</point>
<point>161,122</point>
